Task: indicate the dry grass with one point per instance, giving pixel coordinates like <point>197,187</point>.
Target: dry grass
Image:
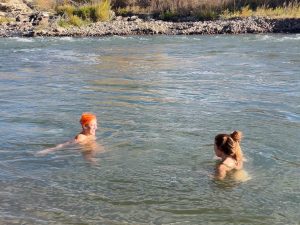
<point>208,8</point>
<point>75,21</point>
<point>6,20</point>
<point>102,11</point>
<point>83,14</point>
<point>46,5</point>
<point>66,9</point>
<point>99,10</point>
<point>291,10</point>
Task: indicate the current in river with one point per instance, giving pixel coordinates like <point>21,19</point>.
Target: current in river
<point>160,100</point>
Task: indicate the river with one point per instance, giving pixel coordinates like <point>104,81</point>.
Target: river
<point>160,100</point>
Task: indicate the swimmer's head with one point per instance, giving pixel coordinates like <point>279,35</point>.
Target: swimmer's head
<point>88,122</point>
<point>229,145</point>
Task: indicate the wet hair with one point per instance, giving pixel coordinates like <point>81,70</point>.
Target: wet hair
<point>86,118</point>
<point>229,144</point>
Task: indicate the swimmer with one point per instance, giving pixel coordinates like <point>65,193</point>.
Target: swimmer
<point>86,138</point>
<point>89,126</point>
<point>227,148</point>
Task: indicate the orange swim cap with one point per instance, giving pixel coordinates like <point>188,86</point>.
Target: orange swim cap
<point>86,118</point>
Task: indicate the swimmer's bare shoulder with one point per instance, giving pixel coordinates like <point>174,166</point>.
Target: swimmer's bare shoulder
<point>80,138</point>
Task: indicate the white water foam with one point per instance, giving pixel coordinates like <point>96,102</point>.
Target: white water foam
<point>20,39</point>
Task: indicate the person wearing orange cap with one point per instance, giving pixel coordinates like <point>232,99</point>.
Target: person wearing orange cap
<point>86,138</point>
<point>88,123</point>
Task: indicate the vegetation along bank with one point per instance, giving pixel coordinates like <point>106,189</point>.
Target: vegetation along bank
<point>146,17</point>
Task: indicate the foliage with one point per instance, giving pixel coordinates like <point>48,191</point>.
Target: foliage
<point>5,20</point>
<point>99,10</point>
<point>130,10</point>
<point>291,10</point>
<point>206,12</point>
<point>84,12</point>
<point>79,15</point>
<point>75,21</point>
<point>203,9</point>
<point>63,23</point>
<point>66,9</point>
<point>168,15</point>
<point>102,11</point>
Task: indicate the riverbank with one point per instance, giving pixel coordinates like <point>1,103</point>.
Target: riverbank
<point>41,24</point>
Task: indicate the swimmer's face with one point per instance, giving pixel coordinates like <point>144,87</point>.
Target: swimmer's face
<point>217,151</point>
<point>91,127</point>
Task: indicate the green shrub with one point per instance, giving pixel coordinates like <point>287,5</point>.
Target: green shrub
<point>206,14</point>
<point>84,12</point>
<point>65,9</point>
<point>63,23</point>
<point>75,21</point>
<point>123,11</point>
<point>102,11</point>
<point>89,12</point>
<point>168,15</point>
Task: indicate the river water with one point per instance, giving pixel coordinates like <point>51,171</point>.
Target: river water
<point>160,100</point>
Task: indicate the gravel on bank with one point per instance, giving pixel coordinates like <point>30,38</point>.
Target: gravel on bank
<point>41,24</point>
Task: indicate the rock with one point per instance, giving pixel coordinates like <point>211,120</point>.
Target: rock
<point>44,24</point>
<point>133,18</point>
<point>22,18</point>
<point>13,8</point>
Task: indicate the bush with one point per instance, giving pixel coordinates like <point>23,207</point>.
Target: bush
<point>99,10</point>
<point>75,21</point>
<point>206,14</point>
<point>94,13</point>
<point>287,11</point>
<point>102,11</point>
<point>65,10</point>
<point>84,12</point>
<point>63,23</point>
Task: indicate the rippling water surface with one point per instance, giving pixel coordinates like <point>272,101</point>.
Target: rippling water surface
<point>160,102</point>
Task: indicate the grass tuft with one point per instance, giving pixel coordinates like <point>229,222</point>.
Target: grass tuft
<point>79,15</point>
<point>287,11</point>
<point>6,20</point>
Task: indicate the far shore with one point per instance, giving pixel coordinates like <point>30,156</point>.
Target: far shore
<point>41,24</point>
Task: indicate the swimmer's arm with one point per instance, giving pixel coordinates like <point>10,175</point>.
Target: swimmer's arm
<point>57,147</point>
<point>222,171</point>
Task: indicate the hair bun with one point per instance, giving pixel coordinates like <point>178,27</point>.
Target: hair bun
<point>236,136</point>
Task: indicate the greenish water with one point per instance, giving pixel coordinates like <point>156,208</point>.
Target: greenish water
<point>160,102</point>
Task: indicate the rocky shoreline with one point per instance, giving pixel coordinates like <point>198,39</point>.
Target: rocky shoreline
<point>40,24</point>
<point>26,21</point>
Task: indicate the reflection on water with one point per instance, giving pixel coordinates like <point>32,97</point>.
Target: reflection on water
<point>90,150</point>
<point>160,102</point>
<point>241,176</point>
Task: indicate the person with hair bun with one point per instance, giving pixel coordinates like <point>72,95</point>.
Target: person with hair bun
<point>227,147</point>
<point>86,138</point>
